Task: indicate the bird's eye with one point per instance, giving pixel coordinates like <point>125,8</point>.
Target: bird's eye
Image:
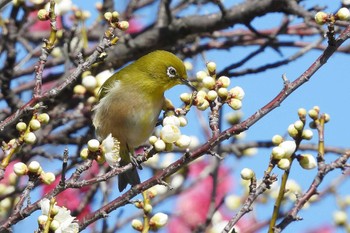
<point>171,72</point>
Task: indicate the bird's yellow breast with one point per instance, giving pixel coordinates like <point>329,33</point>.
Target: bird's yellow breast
<point>128,113</point>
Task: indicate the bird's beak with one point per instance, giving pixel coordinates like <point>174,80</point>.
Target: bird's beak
<point>187,83</point>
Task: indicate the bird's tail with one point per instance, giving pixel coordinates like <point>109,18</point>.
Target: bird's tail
<point>129,177</point>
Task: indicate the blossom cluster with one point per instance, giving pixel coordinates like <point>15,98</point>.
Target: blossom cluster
<point>34,168</point>
<point>343,14</point>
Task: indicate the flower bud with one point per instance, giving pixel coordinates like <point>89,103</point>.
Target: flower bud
<point>183,121</point>
<point>204,105</point>
<point>247,174</point>
<point>223,92</point>
<point>43,15</point>
<point>93,145</point>
<point>283,164</point>
<point>171,120</point>
<point>159,145</point>
<point>298,125</point>
<point>29,138</point>
<point>79,89</point>
<point>84,153</point>
<point>188,65</point>
<point>34,124</point>
<point>115,15</point>
<point>289,148</point>
<point>307,161</point>
<point>54,225</point>
<point>224,81</point>
<point>170,133</point>
<point>186,97</point>
<point>237,93</point>
<point>108,16</point>
<point>47,177</point>
<point>327,117</point>
<point>343,14</point>
<point>235,104</point>
<point>152,139</point>
<point>89,82</point>
<point>212,95</point>
<point>340,217</point>
<point>292,131</point>
<point>277,139</point>
<point>211,66</point>
<point>158,220</point>
<point>307,134</point>
<point>278,152</point>
<point>34,167</point>
<point>44,118</point>
<point>124,25</point>
<point>137,225</point>
<point>21,126</point>
<point>102,77</point>
<point>183,142</point>
<point>42,219</point>
<point>302,113</point>
<point>209,82</point>
<point>200,75</point>
<point>148,208</point>
<point>20,169</point>
<point>313,114</point>
<point>233,202</point>
<point>321,18</point>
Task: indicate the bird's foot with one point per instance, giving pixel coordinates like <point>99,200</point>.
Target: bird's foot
<point>135,160</point>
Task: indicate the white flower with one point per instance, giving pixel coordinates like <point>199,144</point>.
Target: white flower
<point>110,147</point>
<point>63,217</point>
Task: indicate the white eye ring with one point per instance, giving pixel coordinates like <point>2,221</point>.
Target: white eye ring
<point>171,72</point>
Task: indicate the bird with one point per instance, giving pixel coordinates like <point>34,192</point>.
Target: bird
<point>130,102</point>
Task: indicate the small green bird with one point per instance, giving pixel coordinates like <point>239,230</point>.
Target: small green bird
<point>131,100</point>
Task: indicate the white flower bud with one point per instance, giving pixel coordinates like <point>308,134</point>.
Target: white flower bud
<point>188,65</point>
<point>35,167</point>
<point>211,66</point>
<point>293,132</point>
<point>343,14</point>
<point>152,139</point>
<point>183,121</point>
<point>298,125</point>
<point>302,113</point>
<point>42,219</point>
<point>29,138</point>
<point>54,225</point>
<point>313,114</point>
<point>170,133</point>
<point>235,104</point>
<point>200,75</point>
<point>224,81</point>
<point>43,15</point>
<point>223,92</point>
<point>124,25</point>
<point>247,174</point>
<point>237,93</point>
<point>212,95</point>
<point>186,97</point>
<point>283,164</point>
<point>34,124</point>
<point>79,89</point>
<point>307,161</point>
<point>321,17</point>
<point>277,139</point>
<point>278,152</point>
<point>158,220</point>
<point>44,118</point>
<point>327,117</point>
<point>93,145</point>
<point>307,134</point>
<point>137,224</point>
<point>159,145</point>
<point>233,202</point>
<point>204,105</point>
<point>102,77</point>
<point>209,82</point>
<point>21,126</point>
<point>148,208</point>
<point>183,142</point>
<point>89,82</point>
<point>20,169</point>
<point>171,120</point>
<point>47,177</point>
<point>340,217</point>
<point>84,153</point>
<point>289,148</point>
